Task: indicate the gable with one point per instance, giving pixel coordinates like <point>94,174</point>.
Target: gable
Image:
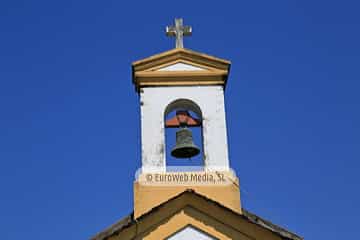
<point>206,226</point>
<point>190,232</point>
<point>205,215</point>
<point>180,67</point>
<point>181,54</point>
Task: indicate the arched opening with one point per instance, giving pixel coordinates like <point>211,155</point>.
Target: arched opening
<point>183,136</point>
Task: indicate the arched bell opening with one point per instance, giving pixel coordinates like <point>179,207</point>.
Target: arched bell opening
<point>183,136</point>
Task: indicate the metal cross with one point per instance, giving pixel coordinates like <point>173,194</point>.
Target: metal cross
<point>178,31</point>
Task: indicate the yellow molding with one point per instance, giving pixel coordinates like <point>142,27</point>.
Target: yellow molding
<point>197,83</point>
<point>166,74</point>
<point>184,54</point>
<point>200,213</point>
<point>147,197</point>
<point>182,219</point>
<point>215,70</point>
<point>179,51</point>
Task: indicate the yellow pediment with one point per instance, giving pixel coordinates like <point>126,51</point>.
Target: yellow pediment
<point>180,67</point>
<point>200,216</point>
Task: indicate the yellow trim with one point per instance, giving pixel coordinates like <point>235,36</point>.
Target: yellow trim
<point>215,70</point>
<point>183,219</point>
<point>148,196</point>
<point>169,84</point>
<point>165,74</point>
<point>173,78</point>
<point>198,212</point>
<point>192,58</point>
<point>180,52</point>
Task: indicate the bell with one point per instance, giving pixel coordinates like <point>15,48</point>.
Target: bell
<point>185,147</point>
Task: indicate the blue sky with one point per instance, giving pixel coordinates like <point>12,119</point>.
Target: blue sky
<point>69,121</point>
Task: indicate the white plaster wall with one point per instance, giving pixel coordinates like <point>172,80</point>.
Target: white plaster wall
<point>190,233</point>
<point>211,101</point>
<point>181,67</point>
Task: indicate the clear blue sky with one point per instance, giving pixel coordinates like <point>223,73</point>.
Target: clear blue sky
<point>69,116</point>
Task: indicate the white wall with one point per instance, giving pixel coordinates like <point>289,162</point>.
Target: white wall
<point>190,233</point>
<point>181,67</point>
<point>210,99</point>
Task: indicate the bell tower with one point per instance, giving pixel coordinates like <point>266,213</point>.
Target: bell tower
<point>181,95</point>
<point>190,85</point>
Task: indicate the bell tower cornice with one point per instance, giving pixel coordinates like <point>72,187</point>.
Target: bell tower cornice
<point>180,67</point>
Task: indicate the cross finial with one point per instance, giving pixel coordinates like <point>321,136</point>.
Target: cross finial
<point>178,31</point>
